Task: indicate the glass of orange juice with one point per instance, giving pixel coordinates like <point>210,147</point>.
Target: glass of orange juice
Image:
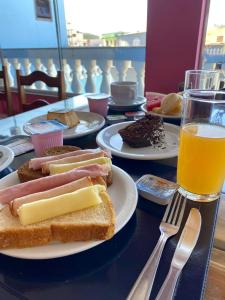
<point>201,159</point>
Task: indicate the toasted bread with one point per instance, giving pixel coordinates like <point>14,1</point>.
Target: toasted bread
<point>60,150</point>
<point>27,174</point>
<point>93,223</point>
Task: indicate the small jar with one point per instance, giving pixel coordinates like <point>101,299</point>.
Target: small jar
<point>98,103</point>
<point>44,141</point>
<point>45,134</point>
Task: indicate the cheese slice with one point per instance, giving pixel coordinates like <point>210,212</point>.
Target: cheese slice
<point>61,168</point>
<point>41,210</point>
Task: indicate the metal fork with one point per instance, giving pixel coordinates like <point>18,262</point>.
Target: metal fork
<point>169,226</point>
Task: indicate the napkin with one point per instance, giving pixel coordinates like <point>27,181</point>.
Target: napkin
<point>20,146</point>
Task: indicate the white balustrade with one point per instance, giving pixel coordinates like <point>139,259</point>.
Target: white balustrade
<point>91,67</point>
<point>81,72</point>
<point>27,66</point>
<point>106,66</point>
<point>140,75</point>
<point>40,67</point>
<point>122,68</point>
<point>10,76</point>
<point>78,75</point>
<point>51,68</point>
<point>16,64</point>
<point>52,71</point>
<point>67,75</point>
<point>27,71</point>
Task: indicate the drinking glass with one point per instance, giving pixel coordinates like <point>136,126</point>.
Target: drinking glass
<point>201,80</point>
<point>201,158</point>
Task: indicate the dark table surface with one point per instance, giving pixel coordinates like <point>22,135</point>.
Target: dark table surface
<point>109,270</point>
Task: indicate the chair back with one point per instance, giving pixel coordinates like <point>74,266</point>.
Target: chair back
<point>7,90</point>
<point>26,80</point>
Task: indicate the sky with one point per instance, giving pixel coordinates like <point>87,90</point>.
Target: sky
<point>104,16</point>
<point>217,12</point>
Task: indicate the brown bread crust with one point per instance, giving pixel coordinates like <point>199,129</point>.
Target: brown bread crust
<point>60,150</point>
<point>15,235</point>
<point>26,174</point>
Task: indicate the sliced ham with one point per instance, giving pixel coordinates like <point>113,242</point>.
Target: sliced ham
<point>49,182</point>
<point>67,188</point>
<point>35,163</point>
<point>71,159</point>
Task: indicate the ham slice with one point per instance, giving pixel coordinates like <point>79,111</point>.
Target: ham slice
<point>49,182</point>
<point>35,163</point>
<point>64,189</point>
<point>71,159</point>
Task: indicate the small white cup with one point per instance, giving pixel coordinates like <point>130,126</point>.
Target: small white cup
<point>124,92</point>
<point>98,103</point>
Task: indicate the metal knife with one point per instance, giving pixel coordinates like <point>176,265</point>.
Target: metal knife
<point>185,246</point>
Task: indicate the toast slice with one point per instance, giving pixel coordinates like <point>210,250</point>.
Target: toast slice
<point>27,174</point>
<point>93,223</point>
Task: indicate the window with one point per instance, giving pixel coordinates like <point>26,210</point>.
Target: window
<point>214,51</point>
<point>101,18</point>
<point>92,27</point>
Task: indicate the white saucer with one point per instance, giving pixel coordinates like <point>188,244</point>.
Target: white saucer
<point>125,107</point>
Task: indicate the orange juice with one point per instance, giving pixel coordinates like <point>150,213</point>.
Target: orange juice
<point>201,160</point>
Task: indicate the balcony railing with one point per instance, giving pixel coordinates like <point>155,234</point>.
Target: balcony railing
<point>214,54</point>
<point>85,69</point>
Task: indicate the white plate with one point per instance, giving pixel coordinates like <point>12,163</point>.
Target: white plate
<point>125,107</point>
<point>124,196</point>
<point>174,117</point>
<point>7,157</point>
<point>89,123</point>
<point>110,138</point>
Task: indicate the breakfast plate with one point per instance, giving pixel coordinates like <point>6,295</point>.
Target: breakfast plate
<point>109,138</point>
<point>126,107</point>
<point>6,157</point>
<point>89,122</point>
<point>174,117</point>
<point>124,196</point>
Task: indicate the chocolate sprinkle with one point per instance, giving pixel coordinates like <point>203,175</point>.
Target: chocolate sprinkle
<point>148,131</point>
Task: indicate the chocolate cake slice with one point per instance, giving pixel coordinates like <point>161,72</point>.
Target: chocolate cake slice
<point>145,132</point>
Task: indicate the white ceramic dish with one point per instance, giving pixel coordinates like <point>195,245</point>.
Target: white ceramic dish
<point>122,107</point>
<point>174,117</point>
<point>124,196</point>
<point>109,138</point>
<point>6,157</point>
<point>89,123</point>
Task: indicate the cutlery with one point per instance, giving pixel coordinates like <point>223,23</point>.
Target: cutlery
<point>169,226</point>
<point>185,246</point>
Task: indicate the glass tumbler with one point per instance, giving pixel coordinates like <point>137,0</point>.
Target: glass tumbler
<point>201,158</point>
<point>201,80</point>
